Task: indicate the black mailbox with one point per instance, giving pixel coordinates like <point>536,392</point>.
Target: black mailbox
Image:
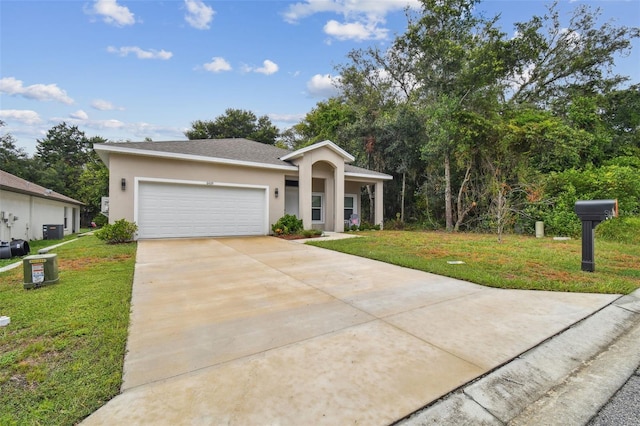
<point>591,213</point>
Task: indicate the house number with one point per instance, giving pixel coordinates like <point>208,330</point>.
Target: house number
<point>210,182</point>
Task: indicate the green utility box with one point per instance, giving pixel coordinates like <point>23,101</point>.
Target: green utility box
<point>40,270</point>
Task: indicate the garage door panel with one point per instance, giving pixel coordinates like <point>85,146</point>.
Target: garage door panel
<point>178,210</point>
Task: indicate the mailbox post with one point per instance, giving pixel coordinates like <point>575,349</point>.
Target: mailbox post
<point>591,213</point>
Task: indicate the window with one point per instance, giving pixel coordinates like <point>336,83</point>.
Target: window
<point>350,206</point>
<point>65,217</point>
<point>317,208</point>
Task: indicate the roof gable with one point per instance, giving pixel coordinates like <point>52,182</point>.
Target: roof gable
<point>328,144</point>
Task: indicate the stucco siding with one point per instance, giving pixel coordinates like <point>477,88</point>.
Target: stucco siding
<point>33,212</point>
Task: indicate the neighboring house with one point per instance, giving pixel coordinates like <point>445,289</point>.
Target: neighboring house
<point>229,187</point>
<point>26,207</point>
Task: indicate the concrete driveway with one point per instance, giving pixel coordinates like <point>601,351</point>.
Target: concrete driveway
<point>261,331</point>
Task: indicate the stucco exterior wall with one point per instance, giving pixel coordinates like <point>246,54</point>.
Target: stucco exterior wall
<point>323,163</point>
<point>131,167</point>
<point>34,212</point>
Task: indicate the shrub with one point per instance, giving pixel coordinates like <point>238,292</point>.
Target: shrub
<point>100,220</point>
<point>310,233</point>
<point>121,231</point>
<point>394,224</point>
<point>287,224</point>
<point>620,230</point>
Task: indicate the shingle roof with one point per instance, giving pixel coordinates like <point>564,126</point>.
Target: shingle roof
<point>13,183</point>
<point>231,149</point>
<point>237,149</point>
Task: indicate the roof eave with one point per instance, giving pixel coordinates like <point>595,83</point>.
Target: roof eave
<point>53,196</point>
<point>104,151</point>
<point>376,177</point>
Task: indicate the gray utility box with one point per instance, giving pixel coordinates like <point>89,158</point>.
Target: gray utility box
<point>40,270</point>
<point>52,232</point>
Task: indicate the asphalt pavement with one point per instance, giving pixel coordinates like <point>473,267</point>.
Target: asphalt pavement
<point>624,408</point>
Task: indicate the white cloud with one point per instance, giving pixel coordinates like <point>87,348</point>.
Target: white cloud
<point>286,118</point>
<point>140,53</point>
<point>323,86</point>
<point>362,18</point>
<point>572,38</point>
<point>217,64</point>
<point>22,115</point>
<point>41,92</point>
<point>199,15</point>
<point>113,13</point>
<point>102,105</point>
<point>301,10</point>
<point>355,31</point>
<point>268,67</point>
<point>79,115</point>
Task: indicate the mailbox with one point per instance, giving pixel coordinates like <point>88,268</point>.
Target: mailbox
<point>596,210</point>
<point>591,213</point>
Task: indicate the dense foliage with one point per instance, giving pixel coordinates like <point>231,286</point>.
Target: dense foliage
<point>235,123</point>
<point>483,130</point>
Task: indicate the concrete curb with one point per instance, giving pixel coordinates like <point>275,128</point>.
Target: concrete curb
<point>565,380</point>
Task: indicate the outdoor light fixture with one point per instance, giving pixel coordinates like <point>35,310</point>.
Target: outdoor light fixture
<point>276,192</point>
<point>123,184</point>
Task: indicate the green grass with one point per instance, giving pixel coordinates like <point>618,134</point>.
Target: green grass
<point>36,245</point>
<point>61,356</point>
<point>520,262</point>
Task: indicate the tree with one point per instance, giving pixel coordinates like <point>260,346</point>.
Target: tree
<point>235,123</point>
<point>551,60</point>
<point>62,155</point>
<point>12,159</point>
<point>93,183</point>
<point>459,59</point>
<point>622,116</point>
<point>325,122</point>
<point>494,113</point>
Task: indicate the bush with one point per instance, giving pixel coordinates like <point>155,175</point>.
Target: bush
<point>100,220</point>
<point>620,230</point>
<point>121,231</point>
<point>394,224</point>
<point>562,190</point>
<point>287,225</point>
<point>310,233</point>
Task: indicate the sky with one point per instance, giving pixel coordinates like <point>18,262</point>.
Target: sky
<point>130,70</point>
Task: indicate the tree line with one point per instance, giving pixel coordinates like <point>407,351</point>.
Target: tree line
<point>486,131</point>
<point>481,130</point>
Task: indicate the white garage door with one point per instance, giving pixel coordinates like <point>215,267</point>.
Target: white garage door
<point>167,210</point>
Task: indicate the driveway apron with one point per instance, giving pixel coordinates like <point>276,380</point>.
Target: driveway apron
<point>255,331</point>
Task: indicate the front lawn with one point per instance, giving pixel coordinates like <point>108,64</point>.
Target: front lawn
<point>36,245</point>
<point>519,262</point>
<point>61,356</point>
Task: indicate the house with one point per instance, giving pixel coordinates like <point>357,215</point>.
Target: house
<point>233,187</point>
<point>25,208</point>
